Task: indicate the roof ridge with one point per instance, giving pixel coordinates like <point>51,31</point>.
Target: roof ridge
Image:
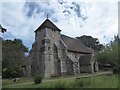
<point>49,24</point>
<point>69,37</point>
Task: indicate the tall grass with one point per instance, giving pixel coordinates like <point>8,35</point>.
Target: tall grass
<point>103,81</point>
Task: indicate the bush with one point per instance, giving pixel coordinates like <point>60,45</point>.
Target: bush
<point>116,69</point>
<point>38,79</point>
<point>11,72</point>
<point>110,54</point>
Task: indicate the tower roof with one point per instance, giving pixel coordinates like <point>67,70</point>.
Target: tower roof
<point>47,23</point>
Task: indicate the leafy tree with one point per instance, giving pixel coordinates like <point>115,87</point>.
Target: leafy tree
<point>109,54</point>
<point>91,42</point>
<point>13,56</point>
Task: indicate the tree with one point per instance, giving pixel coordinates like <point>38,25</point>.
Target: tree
<point>109,54</point>
<point>13,54</point>
<point>91,42</point>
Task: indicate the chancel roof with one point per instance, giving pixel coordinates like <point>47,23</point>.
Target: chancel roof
<point>75,45</point>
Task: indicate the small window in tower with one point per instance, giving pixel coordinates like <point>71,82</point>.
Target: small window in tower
<point>49,57</point>
<point>48,48</point>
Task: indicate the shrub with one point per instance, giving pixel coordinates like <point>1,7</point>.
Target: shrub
<point>11,72</point>
<point>38,79</point>
<point>116,69</point>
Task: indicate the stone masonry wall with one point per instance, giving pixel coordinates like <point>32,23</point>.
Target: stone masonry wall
<point>50,56</point>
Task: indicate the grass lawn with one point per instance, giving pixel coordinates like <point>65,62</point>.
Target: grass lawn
<point>102,81</point>
<point>21,80</point>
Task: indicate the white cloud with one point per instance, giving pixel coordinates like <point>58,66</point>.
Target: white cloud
<point>101,16</point>
<point>101,22</point>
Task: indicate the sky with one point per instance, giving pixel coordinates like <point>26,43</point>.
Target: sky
<point>96,18</point>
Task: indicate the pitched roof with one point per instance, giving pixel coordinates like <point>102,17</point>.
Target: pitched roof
<point>75,45</point>
<point>49,24</point>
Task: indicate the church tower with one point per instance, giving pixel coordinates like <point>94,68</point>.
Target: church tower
<point>47,39</point>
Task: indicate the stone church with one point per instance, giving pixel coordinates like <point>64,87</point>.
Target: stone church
<point>55,54</point>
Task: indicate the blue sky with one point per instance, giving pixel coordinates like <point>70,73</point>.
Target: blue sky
<point>75,18</point>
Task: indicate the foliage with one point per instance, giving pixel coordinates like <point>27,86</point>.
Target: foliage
<point>11,72</point>
<point>109,54</point>
<point>38,79</point>
<point>91,42</point>
<point>13,55</point>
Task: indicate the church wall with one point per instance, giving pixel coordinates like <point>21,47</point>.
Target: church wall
<point>32,57</point>
<point>27,72</point>
<point>69,65</point>
<point>53,35</point>
<point>48,66</point>
<point>86,69</point>
<point>95,65</point>
<point>51,59</point>
<point>74,57</point>
<point>45,59</point>
<point>86,64</point>
<point>63,58</point>
<point>39,36</point>
<point>37,67</point>
<point>56,62</point>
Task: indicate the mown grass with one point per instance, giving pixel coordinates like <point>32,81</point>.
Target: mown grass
<point>21,80</point>
<point>103,81</point>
